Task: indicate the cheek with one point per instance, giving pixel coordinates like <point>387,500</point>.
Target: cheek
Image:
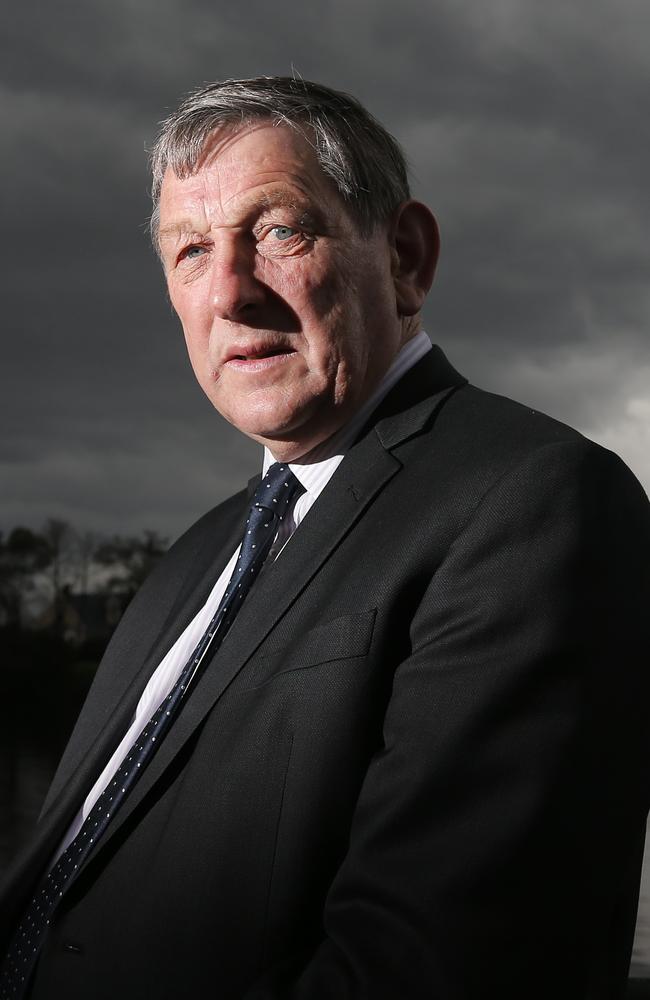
<point>194,321</point>
<point>329,310</point>
<point>197,348</point>
<point>314,286</point>
<point>323,294</point>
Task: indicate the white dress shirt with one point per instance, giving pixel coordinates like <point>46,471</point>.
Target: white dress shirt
<point>313,477</point>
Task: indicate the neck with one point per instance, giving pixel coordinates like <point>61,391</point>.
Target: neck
<point>344,435</point>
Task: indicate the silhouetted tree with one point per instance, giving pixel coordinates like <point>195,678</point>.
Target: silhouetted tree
<point>60,541</point>
<point>22,554</point>
<point>132,557</point>
<point>86,546</point>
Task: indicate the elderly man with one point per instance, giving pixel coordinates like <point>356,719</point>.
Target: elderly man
<point>376,727</point>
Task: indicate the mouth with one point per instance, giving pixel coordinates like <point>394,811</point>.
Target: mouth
<point>253,355</point>
<point>250,358</point>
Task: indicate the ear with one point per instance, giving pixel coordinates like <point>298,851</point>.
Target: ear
<point>415,244</point>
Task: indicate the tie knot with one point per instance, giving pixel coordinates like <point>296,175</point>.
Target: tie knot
<point>276,489</point>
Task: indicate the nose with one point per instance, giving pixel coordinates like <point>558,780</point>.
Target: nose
<point>235,289</point>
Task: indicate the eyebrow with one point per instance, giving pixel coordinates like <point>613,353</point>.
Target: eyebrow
<point>279,199</point>
<point>264,202</point>
<point>182,228</point>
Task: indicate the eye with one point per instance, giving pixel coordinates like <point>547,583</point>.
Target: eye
<point>279,240</point>
<point>196,250</point>
<point>283,232</point>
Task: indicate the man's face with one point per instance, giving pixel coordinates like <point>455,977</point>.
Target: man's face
<point>289,314</point>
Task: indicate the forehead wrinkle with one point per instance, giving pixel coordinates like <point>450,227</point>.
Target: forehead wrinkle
<point>183,204</point>
<point>265,198</point>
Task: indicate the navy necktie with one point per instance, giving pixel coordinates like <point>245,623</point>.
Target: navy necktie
<point>269,506</point>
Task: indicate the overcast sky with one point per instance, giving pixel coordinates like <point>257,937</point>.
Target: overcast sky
<point>526,125</point>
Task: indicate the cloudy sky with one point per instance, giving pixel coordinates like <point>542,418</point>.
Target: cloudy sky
<point>526,128</point>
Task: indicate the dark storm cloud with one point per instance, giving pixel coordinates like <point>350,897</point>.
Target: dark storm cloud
<point>524,125</point>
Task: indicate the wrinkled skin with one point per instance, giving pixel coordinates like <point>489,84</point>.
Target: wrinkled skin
<point>291,316</point>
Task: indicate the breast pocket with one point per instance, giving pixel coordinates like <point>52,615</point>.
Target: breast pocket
<point>347,637</point>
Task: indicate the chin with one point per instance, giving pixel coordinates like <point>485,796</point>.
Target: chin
<point>257,427</point>
<point>265,419</point>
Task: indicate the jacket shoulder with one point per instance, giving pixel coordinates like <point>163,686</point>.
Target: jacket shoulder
<point>484,429</point>
<point>478,439</point>
<point>496,418</point>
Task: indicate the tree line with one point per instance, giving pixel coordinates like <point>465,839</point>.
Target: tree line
<point>44,565</point>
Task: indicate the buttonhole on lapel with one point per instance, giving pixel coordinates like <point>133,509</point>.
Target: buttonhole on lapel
<point>354,492</point>
<point>73,949</point>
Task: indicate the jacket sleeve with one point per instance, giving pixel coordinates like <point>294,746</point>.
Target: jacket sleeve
<point>496,845</point>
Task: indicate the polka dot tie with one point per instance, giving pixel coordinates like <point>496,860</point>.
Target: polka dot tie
<point>270,505</point>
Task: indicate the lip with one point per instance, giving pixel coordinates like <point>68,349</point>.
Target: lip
<point>252,357</point>
<point>258,364</point>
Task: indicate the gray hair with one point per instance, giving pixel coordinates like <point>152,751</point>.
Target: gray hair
<point>364,161</point>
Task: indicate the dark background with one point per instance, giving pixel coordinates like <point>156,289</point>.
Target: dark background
<point>526,128</point>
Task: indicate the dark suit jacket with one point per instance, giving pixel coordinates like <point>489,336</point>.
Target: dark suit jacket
<point>416,768</point>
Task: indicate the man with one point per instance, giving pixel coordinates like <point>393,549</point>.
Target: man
<point>409,762</point>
